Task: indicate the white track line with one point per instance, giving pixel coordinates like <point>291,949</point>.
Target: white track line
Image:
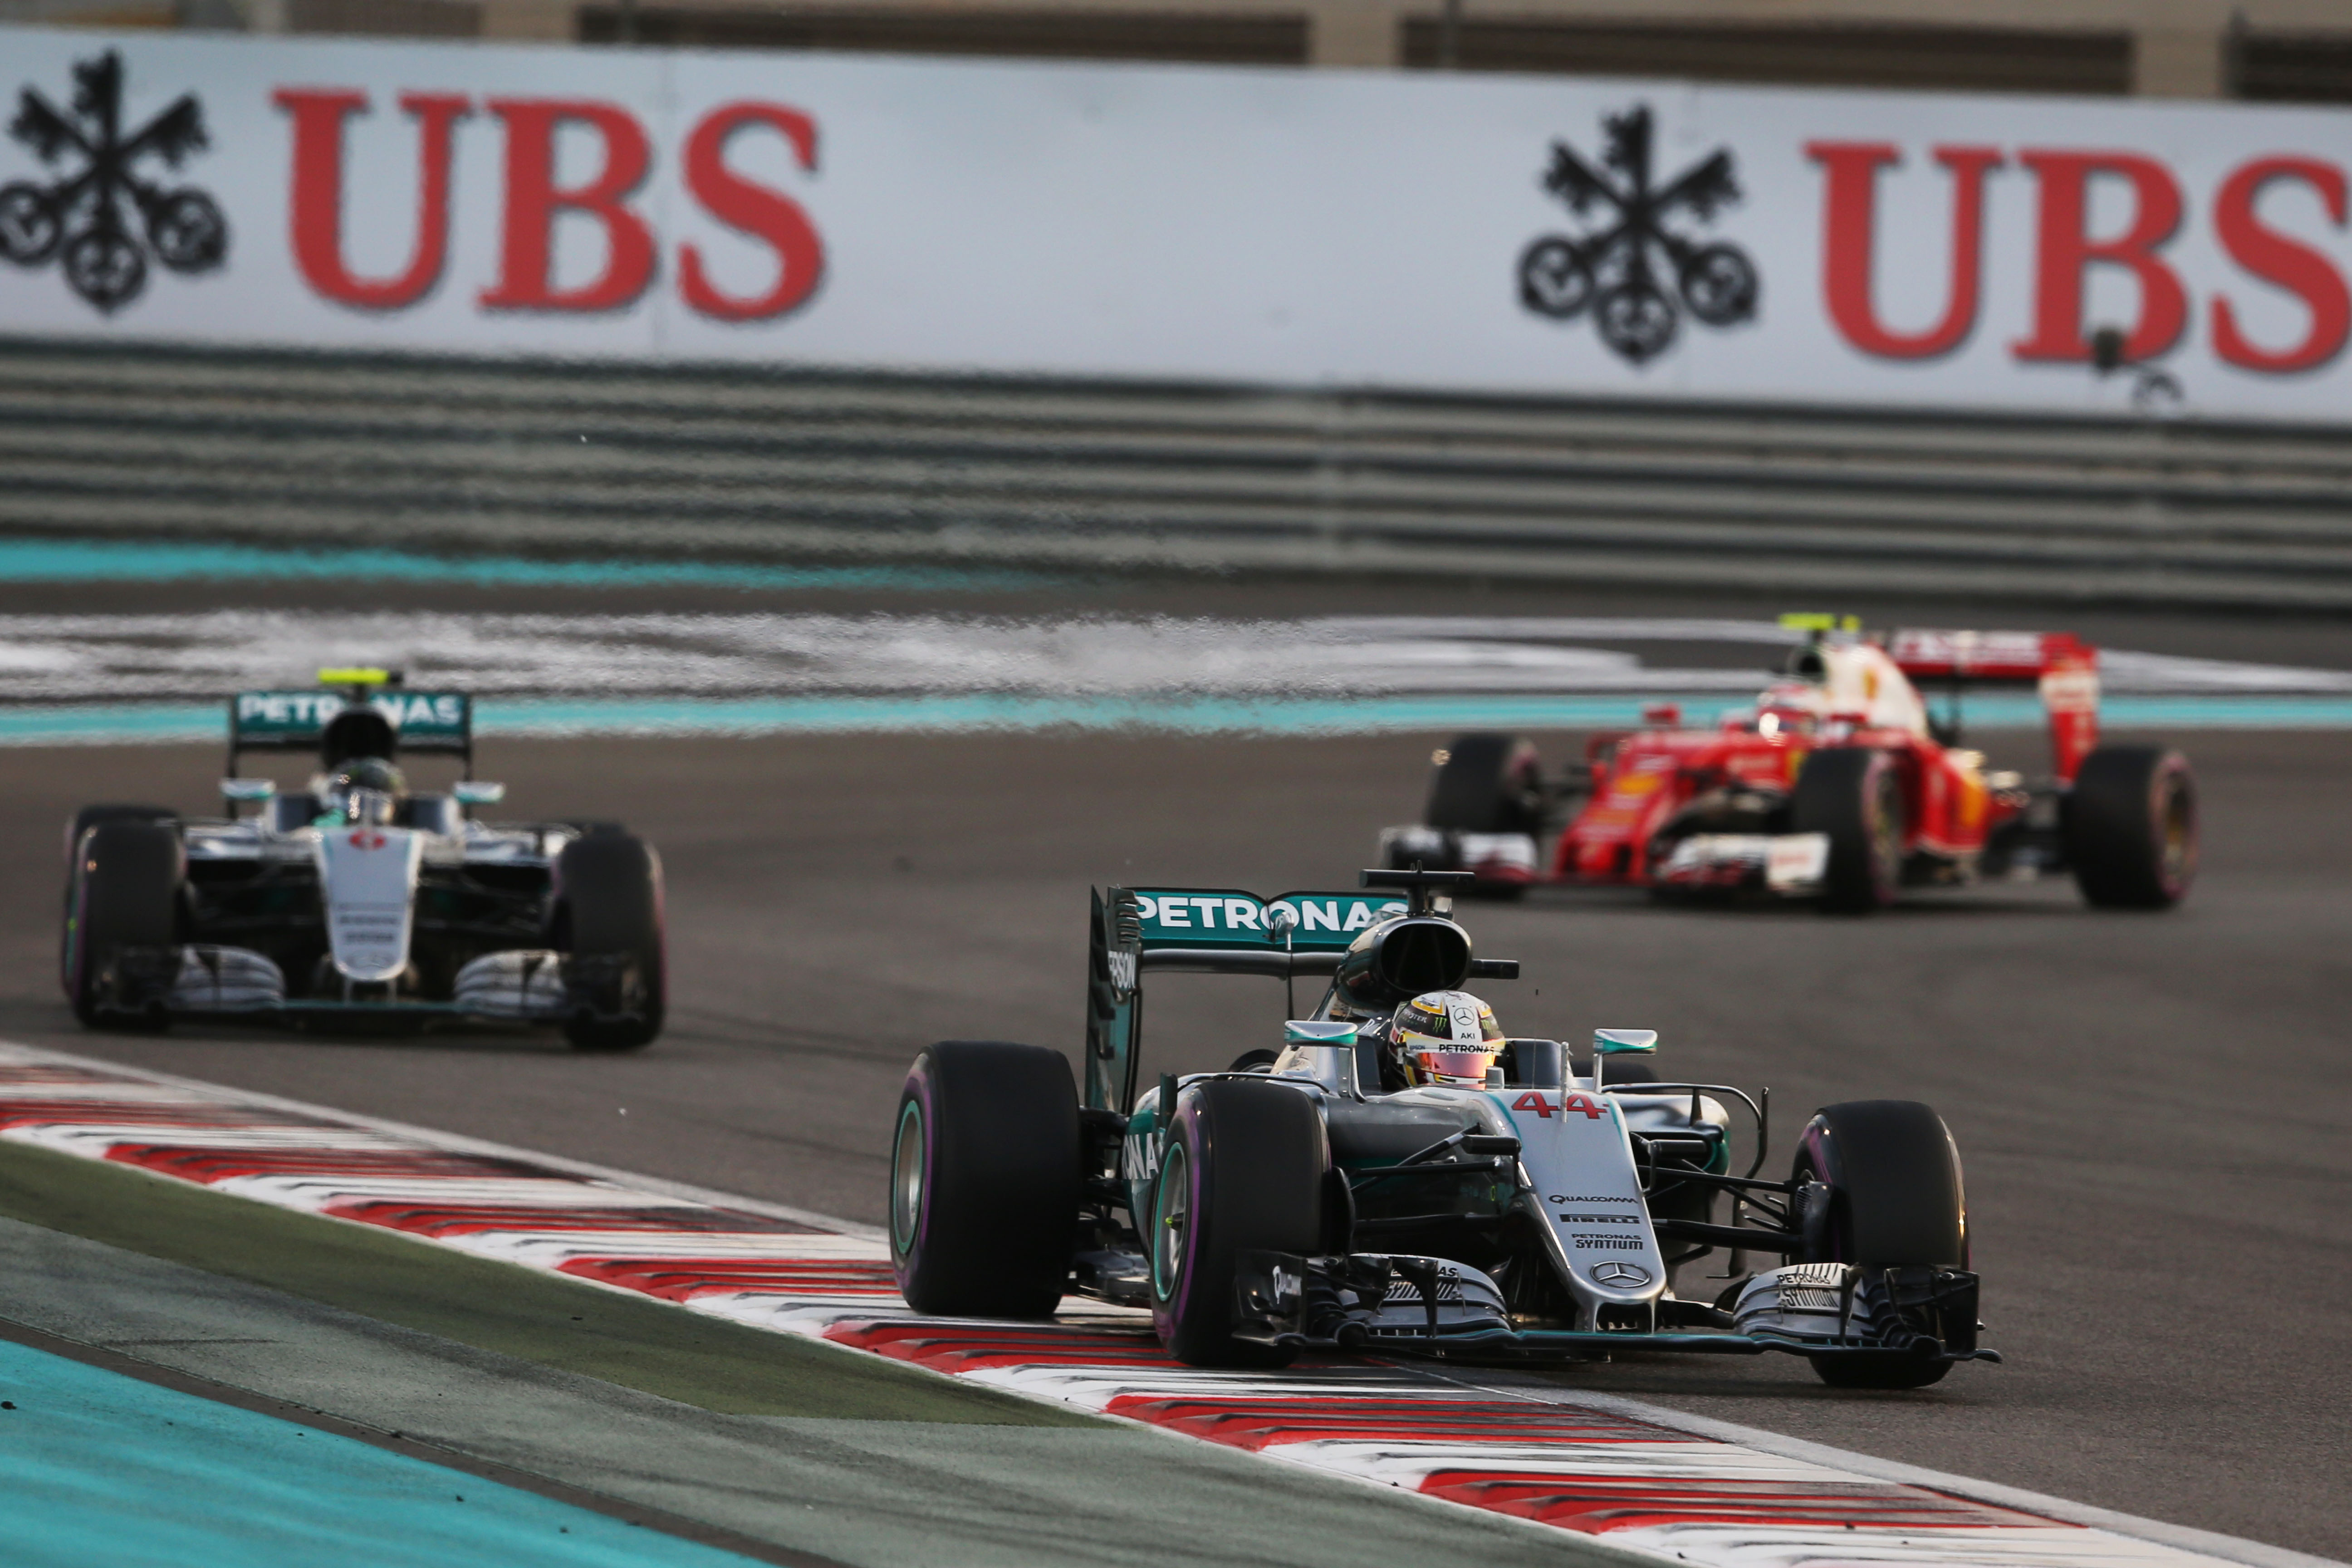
<point>202,654</point>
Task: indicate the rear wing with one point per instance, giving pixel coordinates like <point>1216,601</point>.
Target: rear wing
<point>2062,667</point>
<point>1210,930</point>
<point>297,721</point>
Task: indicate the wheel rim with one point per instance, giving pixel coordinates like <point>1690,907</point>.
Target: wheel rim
<point>2176,836</point>
<point>1887,835</point>
<point>1170,1219</point>
<point>906,1179</point>
<point>1836,1231</point>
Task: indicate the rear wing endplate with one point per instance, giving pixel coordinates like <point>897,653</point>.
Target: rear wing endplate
<point>1209,931</point>
<point>2062,669</point>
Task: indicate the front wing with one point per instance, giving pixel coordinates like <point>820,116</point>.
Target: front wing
<point>205,981</point>
<point>1430,1306</point>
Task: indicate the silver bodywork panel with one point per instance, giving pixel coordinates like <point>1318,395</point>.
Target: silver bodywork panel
<point>368,877</point>
<point>1577,1178</point>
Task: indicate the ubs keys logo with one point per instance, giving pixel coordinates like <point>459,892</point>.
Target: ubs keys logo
<point>1612,268</point>
<point>94,211</point>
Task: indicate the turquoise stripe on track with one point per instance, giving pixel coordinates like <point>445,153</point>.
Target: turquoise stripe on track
<point>96,1468</point>
<point>133,723</point>
<point>131,561</point>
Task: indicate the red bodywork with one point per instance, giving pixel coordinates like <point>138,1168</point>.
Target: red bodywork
<point>1641,779</point>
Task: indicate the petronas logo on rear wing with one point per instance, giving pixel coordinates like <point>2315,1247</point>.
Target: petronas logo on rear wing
<point>294,721</point>
<point>1232,918</point>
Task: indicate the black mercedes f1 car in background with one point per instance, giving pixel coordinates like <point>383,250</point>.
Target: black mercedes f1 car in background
<point>357,902</point>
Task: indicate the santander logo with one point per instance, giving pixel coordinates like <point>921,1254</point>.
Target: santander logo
<point>534,199</point>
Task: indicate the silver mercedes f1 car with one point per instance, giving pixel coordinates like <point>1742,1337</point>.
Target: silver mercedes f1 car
<point>1508,1203</point>
<point>356,901</point>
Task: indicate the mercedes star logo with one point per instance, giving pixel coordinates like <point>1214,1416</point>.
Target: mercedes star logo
<point>1629,1275</point>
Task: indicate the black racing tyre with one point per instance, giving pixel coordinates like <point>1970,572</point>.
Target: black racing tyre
<point>1242,1170</point>
<point>985,1180</point>
<point>2130,826</point>
<point>609,919</point>
<point>1895,1200</point>
<point>90,816</point>
<point>1855,795</point>
<point>87,818</point>
<point>125,893</point>
<point>1487,784</point>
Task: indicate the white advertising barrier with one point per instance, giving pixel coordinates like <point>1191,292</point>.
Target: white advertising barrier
<point>1290,227</point>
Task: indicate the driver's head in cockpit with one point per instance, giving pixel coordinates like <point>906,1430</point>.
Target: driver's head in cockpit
<point>363,790</point>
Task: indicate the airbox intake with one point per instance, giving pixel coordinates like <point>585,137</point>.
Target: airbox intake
<point>1398,960</point>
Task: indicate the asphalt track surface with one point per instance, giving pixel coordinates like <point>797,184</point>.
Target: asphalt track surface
<point>2156,1112</point>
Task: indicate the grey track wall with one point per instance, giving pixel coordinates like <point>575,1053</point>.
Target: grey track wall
<point>444,454</point>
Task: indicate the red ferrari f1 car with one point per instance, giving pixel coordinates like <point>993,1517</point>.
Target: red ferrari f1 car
<point>1838,786</point>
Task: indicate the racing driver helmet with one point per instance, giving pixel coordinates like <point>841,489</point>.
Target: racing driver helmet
<point>365,789</point>
<point>1446,1038</point>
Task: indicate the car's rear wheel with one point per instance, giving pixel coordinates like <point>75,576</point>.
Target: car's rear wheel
<point>1895,1200</point>
<point>1854,795</point>
<point>985,1180</point>
<point>124,895</point>
<point>609,921</point>
<point>2131,828</point>
<point>1243,1171</point>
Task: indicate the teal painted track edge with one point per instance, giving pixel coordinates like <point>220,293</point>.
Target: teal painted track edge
<point>136,561</point>
<point>158,722</point>
<point>101,1467</point>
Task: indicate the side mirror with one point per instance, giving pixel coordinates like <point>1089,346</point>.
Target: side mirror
<point>1624,1042</point>
<point>478,792</point>
<point>247,789</point>
<point>1327,1050</point>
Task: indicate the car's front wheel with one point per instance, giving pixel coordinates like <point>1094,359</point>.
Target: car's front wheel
<point>609,922</point>
<point>2131,828</point>
<point>1895,1200</point>
<point>1854,796</point>
<point>124,895</point>
<point>1241,1171</point>
<point>985,1180</point>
